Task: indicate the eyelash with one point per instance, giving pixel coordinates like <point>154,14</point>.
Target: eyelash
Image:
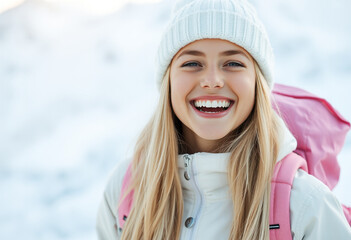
<point>236,64</point>
<point>188,64</point>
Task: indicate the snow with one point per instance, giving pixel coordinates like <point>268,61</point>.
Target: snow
<point>76,89</point>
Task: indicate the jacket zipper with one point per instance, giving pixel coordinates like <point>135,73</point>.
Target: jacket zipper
<point>190,176</point>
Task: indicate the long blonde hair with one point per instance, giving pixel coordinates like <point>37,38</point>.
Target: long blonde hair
<point>158,201</point>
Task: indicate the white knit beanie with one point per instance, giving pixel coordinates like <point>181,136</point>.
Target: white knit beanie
<point>232,20</point>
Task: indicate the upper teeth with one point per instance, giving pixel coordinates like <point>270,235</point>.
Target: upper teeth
<point>211,104</point>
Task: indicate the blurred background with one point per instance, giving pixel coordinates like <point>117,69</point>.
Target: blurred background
<point>77,85</point>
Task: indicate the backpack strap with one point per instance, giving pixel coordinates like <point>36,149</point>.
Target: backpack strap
<point>347,212</point>
<point>283,177</point>
<point>126,203</point>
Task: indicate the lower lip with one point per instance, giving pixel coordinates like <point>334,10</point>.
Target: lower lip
<point>213,115</point>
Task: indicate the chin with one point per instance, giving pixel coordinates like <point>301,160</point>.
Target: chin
<point>213,135</point>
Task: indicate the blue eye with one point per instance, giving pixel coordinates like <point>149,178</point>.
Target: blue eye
<point>234,64</point>
<point>191,64</point>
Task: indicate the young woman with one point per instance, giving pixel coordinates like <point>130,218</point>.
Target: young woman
<point>203,164</point>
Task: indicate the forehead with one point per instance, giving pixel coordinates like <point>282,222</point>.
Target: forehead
<point>211,46</point>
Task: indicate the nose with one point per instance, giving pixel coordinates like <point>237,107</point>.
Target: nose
<point>212,79</point>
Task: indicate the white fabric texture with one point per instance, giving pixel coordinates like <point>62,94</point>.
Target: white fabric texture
<point>232,20</point>
<point>314,210</point>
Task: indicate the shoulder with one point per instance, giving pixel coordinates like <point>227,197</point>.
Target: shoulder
<point>107,220</point>
<point>114,184</point>
<point>309,185</point>
<point>315,212</point>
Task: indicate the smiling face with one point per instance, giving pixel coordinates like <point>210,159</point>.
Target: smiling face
<point>212,90</point>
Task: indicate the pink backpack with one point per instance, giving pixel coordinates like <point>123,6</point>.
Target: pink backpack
<point>305,115</point>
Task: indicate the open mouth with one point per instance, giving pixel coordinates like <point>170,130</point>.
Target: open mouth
<point>212,106</point>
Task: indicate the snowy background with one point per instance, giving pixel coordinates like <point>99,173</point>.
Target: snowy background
<point>76,88</point>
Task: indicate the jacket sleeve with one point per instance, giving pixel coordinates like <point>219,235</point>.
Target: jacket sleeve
<point>315,212</point>
<point>107,218</point>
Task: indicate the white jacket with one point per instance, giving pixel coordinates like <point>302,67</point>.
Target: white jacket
<point>315,212</point>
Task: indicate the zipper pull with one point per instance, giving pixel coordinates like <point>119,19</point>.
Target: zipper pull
<point>187,166</point>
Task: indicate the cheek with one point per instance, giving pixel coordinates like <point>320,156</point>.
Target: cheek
<point>176,95</point>
<point>180,88</point>
<point>245,90</point>
<point>249,98</point>
<point>175,85</point>
<point>249,90</point>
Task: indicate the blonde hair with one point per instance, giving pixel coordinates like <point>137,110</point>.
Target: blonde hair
<point>158,202</point>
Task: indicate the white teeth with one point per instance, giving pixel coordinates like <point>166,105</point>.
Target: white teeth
<point>208,104</point>
<point>212,104</point>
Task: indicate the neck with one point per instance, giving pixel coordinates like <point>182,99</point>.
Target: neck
<point>197,144</point>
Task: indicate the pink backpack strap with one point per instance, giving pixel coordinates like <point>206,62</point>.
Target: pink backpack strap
<point>283,177</point>
<point>126,205</point>
<point>347,212</point>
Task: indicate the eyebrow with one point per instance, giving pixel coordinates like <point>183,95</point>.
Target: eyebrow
<point>201,54</point>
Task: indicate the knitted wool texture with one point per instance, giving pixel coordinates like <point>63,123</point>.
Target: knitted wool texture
<point>232,20</point>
